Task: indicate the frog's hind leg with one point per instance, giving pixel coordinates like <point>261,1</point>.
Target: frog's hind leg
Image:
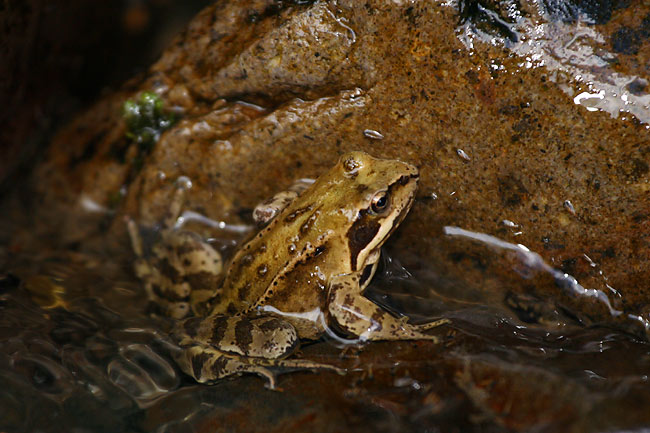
<point>359,316</point>
<point>219,346</point>
<point>179,270</point>
<point>155,283</point>
<point>207,364</point>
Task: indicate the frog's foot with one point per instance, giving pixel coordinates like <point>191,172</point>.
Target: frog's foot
<point>219,346</point>
<point>207,364</point>
<point>359,316</point>
<point>431,325</point>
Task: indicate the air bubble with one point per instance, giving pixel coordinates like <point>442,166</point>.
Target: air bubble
<point>463,155</point>
<point>183,182</point>
<point>569,207</point>
<point>372,134</point>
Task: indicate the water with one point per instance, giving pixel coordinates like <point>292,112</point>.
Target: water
<point>78,352</point>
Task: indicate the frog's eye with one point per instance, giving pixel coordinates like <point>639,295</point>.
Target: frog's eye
<point>380,202</point>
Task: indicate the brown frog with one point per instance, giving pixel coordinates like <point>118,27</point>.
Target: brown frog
<point>302,275</point>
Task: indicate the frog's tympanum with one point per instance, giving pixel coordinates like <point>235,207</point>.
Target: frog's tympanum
<point>302,275</point>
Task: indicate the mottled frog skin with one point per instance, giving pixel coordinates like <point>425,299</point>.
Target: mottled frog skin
<point>302,275</point>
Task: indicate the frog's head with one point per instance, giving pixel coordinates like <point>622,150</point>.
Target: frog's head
<point>379,194</point>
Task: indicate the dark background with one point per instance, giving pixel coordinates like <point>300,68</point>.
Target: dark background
<point>57,57</point>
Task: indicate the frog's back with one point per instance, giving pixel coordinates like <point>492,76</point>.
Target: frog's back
<point>266,264</point>
<point>287,265</point>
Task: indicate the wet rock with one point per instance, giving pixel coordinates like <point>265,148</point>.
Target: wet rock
<point>637,86</point>
<point>524,398</point>
<point>594,11</point>
<point>628,40</point>
<point>301,85</point>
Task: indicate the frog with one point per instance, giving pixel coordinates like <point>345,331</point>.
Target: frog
<point>301,276</point>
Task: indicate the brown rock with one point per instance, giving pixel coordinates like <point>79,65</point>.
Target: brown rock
<point>270,92</point>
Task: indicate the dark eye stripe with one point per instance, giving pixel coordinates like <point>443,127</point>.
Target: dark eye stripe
<point>367,225</point>
<point>362,232</point>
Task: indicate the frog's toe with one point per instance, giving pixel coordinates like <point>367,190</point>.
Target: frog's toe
<point>434,324</point>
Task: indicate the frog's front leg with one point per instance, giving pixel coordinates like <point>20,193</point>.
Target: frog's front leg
<point>359,316</point>
<point>216,347</point>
